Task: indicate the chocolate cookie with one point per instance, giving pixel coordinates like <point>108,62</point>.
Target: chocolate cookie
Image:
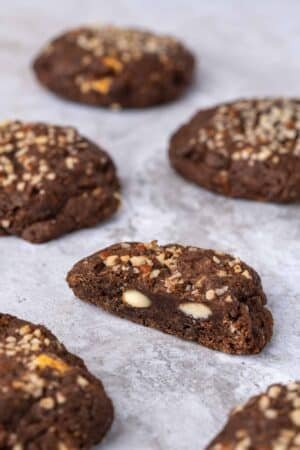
<point>200,295</point>
<point>115,67</point>
<point>48,398</point>
<point>52,181</point>
<point>270,421</point>
<point>248,149</point>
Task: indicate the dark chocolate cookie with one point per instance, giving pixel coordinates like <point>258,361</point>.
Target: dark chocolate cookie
<point>52,181</point>
<point>248,149</point>
<point>201,295</point>
<point>270,421</point>
<point>48,398</point>
<point>115,67</point>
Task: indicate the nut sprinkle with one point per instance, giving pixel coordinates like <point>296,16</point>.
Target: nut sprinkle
<point>202,295</point>
<point>52,181</point>
<point>115,67</point>
<point>247,148</point>
<point>269,421</point>
<point>41,385</point>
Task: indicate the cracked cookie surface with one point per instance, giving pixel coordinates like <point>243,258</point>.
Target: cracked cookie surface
<point>246,149</point>
<point>48,398</point>
<point>269,421</point>
<point>201,295</point>
<point>115,67</point>
<point>52,181</point>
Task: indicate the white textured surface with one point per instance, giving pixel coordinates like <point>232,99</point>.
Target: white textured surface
<point>168,394</point>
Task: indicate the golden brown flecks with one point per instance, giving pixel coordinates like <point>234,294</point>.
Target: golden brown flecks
<point>164,268</point>
<point>26,152</point>
<point>120,45</point>
<point>37,372</point>
<point>253,130</point>
<point>276,416</point>
<point>101,85</point>
<point>112,49</point>
<point>46,361</point>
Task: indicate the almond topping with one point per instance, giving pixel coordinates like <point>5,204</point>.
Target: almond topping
<point>136,299</point>
<point>195,310</point>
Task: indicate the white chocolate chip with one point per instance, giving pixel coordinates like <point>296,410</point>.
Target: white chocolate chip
<point>136,299</point>
<point>196,310</point>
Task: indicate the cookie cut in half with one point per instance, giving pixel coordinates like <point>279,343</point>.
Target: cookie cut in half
<point>270,421</point>
<point>201,295</point>
<point>52,181</point>
<point>247,149</point>
<point>115,67</point>
<point>48,398</point>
